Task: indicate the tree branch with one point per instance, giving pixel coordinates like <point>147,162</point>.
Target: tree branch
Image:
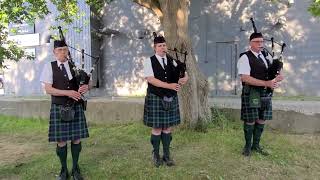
<point>151,4</point>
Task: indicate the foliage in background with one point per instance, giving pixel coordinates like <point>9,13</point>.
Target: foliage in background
<point>28,11</point>
<point>314,8</point>
<point>17,11</point>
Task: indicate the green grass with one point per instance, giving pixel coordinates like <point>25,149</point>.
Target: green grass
<point>281,97</point>
<point>297,98</point>
<point>123,151</point>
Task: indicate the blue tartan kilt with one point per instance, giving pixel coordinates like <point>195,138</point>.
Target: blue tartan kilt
<point>156,116</point>
<point>249,114</point>
<point>67,131</point>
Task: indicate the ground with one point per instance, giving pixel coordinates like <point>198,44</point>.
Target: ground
<point>123,151</point>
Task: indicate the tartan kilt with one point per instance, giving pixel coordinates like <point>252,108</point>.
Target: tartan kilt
<point>65,131</point>
<point>249,114</point>
<point>156,116</point>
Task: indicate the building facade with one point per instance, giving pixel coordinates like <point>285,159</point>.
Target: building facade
<point>23,78</point>
<point>219,30</point>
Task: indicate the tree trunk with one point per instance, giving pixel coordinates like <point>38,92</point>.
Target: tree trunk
<point>194,95</point>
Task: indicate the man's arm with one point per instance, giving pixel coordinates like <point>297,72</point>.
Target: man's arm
<point>257,82</point>
<point>156,82</point>
<point>244,72</point>
<point>57,92</point>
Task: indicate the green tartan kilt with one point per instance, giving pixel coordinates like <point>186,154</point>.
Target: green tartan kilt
<point>156,116</point>
<point>67,131</point>
<point>249,114</point>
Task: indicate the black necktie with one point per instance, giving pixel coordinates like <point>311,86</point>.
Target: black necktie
<point>64,71</point>
<point>164,64</point>
<point>260,58</point>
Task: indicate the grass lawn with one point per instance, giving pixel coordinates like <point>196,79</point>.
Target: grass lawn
<point>123,151</point>
<point>297,98</point>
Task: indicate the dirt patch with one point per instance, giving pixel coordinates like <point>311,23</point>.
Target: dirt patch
<point>15,152</point>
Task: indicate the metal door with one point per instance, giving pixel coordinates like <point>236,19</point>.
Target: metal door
<point>225,69</point>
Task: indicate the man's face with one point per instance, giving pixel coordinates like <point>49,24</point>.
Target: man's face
<point>256,45</point>
<point>160,49</point>
<point>61,53</point>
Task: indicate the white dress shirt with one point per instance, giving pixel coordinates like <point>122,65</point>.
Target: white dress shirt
<point>147,66</point>
<point>243,64</point>
<point>47,76</point>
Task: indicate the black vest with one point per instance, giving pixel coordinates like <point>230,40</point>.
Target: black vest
<point>170,75</point>
<point>257,66</point>
<point>62,83</point>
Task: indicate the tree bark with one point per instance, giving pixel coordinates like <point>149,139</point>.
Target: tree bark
<point>193,98</point>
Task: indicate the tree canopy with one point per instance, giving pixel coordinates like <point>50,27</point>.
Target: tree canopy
<point>314,8</point>
<point>28,11</point>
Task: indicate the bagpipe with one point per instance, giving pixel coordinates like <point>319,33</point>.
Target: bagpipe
<point>277,63</point>
<point>181,65</point>
<point>81,76</point>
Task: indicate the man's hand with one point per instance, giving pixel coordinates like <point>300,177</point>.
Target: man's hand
<point>279,77</point>
<point>174,86</point>
<point>272,84</point>
<point>83,88</point>
<point>183,80</point>
<point>73,94</point>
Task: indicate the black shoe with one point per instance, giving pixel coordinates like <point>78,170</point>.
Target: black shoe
<point>64,175</point>
<point>168,161</point>
<point>246,151</point>
<point>76,174</point>
<point>259,150</point>
<point>156,160</point>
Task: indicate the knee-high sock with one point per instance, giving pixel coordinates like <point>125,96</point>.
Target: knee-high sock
<point>62,153</point>
<point>248,131</point>
<point>258,129</point>
<point>75,151</point>
<point>155,141</point>
<point>166,140</point>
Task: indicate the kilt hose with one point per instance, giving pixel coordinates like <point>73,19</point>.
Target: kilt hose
<point>249,114</point>
<point>67,131</point>
<point>156,116</point>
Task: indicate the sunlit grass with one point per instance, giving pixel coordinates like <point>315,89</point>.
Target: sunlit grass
<point>123,151</point>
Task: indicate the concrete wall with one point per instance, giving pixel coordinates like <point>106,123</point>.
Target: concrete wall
<point>292,117</point>
<point>22,78</point>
